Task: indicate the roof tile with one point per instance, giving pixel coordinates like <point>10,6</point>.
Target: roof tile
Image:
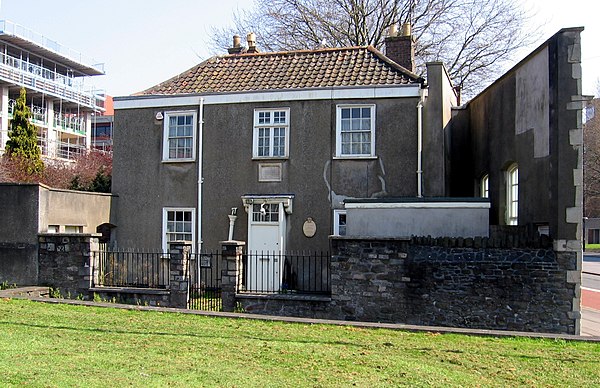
<point>351,66</point>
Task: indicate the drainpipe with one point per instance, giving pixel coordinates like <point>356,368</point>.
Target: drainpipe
<point>200,179</point>
<point>420,144</point>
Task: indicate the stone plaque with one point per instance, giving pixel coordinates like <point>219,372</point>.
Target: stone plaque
<point>309,228</point>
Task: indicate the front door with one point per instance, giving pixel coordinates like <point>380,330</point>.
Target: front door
<point>266,243</point>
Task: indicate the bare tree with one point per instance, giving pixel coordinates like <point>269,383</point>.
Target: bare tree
<point>474,38</point>
<point>591,159</point>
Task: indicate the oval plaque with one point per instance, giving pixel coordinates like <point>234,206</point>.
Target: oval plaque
<point>309,228</point>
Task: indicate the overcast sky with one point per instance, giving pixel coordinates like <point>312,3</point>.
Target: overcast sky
<point>144,42</point>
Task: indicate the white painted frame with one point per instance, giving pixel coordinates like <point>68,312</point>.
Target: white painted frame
<point>271,126</point>
<point>166,210</point>
<point>338,131</point>
<point>485,186</point>
<point>336,221</point>
<point>167,116</point>
<point>512,195</point>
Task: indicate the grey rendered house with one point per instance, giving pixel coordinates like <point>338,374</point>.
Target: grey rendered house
<point>283,137</point>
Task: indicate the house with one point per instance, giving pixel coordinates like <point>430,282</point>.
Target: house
<point>279,140</point>
<point>103,127</point>
<point>54,78</point>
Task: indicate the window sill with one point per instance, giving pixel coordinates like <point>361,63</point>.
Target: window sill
<point>270,158</point>
<point>355,157</point>
<point>178,160</point>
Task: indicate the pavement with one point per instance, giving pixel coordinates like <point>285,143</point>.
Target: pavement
<point>590,295</point>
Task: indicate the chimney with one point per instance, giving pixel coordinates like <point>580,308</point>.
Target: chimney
<point>401,48</point>
<point>237,45</point>
<point>251,38</point>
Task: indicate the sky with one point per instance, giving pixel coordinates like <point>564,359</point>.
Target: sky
<point>144,42</point>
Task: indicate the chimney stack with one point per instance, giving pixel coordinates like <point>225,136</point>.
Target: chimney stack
<point>251,38</point>
<point>401,48</point>
<point>237,45</point>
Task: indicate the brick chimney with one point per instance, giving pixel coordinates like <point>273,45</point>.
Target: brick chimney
<point>400,48</point>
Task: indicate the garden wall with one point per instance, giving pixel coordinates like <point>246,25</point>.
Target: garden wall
<point>472,283</point>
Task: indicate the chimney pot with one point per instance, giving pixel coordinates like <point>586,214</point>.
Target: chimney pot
<point>237,41</point>
<point>393,30</point>
<point>251,38</point>
<point>406,29</point>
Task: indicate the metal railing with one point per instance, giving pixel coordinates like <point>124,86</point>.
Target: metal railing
<point>285,273</point>
<point>131,269</point>
<point>30,75</point>
<point>205,281</point>
<point>9,28</point>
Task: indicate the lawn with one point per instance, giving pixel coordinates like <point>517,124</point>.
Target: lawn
<point>46,345</point>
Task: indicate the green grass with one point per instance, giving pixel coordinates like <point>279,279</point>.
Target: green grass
<point>592,246</point>
<point>46,345</point>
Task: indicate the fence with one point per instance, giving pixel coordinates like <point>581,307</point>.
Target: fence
<point>278,272</point>
<point>205,282</point>
<point>131,269</point>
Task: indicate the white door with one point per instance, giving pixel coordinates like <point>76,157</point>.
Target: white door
<point>265,247</point>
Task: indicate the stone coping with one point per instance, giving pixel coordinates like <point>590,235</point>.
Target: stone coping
<point>131,290</point>
<point>290,296</point>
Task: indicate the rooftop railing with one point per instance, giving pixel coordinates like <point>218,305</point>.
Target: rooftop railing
<point>45,80</point>
<point>9,28</point>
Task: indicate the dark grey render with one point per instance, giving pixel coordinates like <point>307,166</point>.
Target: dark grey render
<point>226,173</point>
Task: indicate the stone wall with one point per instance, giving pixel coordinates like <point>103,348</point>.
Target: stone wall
<point>503,288</point>
<point>64,262</point>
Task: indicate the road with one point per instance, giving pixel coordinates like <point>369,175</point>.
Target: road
<point>590,295</point>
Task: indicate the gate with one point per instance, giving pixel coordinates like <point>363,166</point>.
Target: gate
<point>205,282</point>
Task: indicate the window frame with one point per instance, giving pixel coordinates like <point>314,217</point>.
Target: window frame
<point>166,139</point>
<point>512,195</point>
<point>336,222</point>
<point>257,126</point>
<point>165,214</point>
<point>338,131</point>
<point>484,190</point>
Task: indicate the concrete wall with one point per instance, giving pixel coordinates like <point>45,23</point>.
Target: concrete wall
<point>530,116</point>
<point>417,218</point>
<point>18,233</point>
<point>74,208</point>
<point>436,131</point>
<point>319,182</point>
<point>27,210</point>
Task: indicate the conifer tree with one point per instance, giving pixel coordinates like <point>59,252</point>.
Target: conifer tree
<point>22,143</point>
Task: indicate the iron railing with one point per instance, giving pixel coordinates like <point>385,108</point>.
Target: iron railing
<point>131,269</point>
<point>285,273</point>
<point>205,281</point>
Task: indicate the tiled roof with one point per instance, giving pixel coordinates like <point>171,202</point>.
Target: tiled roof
<point>351,66</point>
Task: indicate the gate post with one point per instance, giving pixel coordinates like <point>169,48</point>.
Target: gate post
<point>231,252</point>
<point>178,273</point>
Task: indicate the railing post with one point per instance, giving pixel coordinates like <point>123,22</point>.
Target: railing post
<point>179,284</point>
<point>231,252</point>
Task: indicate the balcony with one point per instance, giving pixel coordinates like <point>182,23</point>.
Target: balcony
<point>47,81</point>
<point>71,123</point>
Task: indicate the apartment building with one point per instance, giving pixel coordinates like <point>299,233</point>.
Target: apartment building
<point>59,94</point>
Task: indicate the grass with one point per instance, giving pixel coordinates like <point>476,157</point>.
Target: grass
<point>592,246</point>
<point>45,345</point>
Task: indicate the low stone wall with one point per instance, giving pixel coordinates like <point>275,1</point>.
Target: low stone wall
<point>135,296</point>
<point>522,289</point>
<point>64,262</point>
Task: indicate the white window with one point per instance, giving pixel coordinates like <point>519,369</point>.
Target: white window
<point>485,186</point>
<point>178,225</point>
<point>265,212</point>
<point>355,131</point>
<point>271,133</point>
<point>179,136</point>
<point>339,222</point>
<point>512,195</point>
